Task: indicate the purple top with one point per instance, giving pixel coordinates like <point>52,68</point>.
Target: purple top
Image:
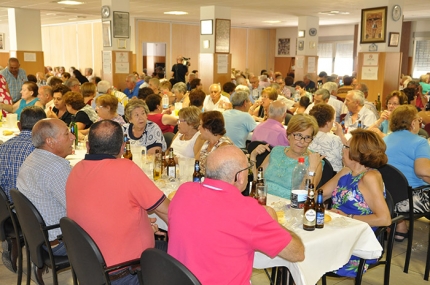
<point>272,132</point>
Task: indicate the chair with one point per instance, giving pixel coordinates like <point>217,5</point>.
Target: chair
<point>423,133</point>
<point>159,268</point>
<point>35,234</point>
<point>10,229</point>
<point>168,137</point>
<point>288,118</point>
<point>260,158</point>
<point>380,233</point>
<point>327,173</point>
<point>85,257</point>
<point>427,128</point>
<point>397,184</point>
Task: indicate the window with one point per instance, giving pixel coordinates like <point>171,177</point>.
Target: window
<point>335,57</point>
<point>421,57</point>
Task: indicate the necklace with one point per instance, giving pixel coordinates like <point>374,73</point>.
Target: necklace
<point>287,149</point>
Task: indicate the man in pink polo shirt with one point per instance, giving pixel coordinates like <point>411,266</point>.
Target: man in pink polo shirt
<point>214,230</point>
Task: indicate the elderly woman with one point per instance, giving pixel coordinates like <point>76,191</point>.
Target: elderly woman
<point>140,130</point>
<point>89,91</point>
<point>357,191</point>
<point>279,164</point>
<point>181,94</point>
<point>409,153</point>
<point>106,108</point>
<point>28,98</point>
<point>85,116</point>
<point>186,143</point>
<point>394,100</point>
<point>325,142</point>
<point>259,110</point>
<point>212,130</point>
<point>166,122</point>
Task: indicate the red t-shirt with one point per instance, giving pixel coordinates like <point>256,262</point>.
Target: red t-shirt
<point>157,118</point>
<point>214,231</point>
<point>109,199</point>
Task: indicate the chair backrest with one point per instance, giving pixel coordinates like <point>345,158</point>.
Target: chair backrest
<point>168,137</point>
<point>327,173</point>
<point>288,118</point>
<point>395,182</point>
<point>423,133</point>
<point>4,213</point>
<point>260,158</point>
<point>31,223</point>
<point>159,268</point>
<point>84,255</point>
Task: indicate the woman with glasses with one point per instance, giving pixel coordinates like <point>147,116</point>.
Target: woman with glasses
<point>187,142</point>
<point>357,191</point>
<point>166,122</point>
<point>409,153</point>
<point>278,166</point>
<point>260,109</point>
<point>106,108</point>
<point>394,100</point>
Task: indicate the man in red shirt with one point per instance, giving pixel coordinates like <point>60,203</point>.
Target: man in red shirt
<point>214,230</point>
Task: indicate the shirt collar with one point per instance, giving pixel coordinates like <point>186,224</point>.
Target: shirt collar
<point>99,156</point>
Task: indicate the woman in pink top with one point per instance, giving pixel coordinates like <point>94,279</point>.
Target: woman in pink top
<point>166,122</point>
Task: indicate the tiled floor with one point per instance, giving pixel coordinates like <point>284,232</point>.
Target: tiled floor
<point>373,276</point>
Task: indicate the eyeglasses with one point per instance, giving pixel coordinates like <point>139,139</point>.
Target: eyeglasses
<point>346,146</point>
<point>250,165</point>
<point>299,137</point>
<point>99,107</point>
<point>181,121</point>
<point>393,104</point>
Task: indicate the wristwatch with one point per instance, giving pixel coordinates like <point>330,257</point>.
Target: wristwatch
<point>311,173</point>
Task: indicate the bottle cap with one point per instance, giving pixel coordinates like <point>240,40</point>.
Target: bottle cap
<point>301,160</point>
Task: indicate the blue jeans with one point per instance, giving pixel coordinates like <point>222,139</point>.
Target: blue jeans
<point>127,280</point>
<point>59,250</point>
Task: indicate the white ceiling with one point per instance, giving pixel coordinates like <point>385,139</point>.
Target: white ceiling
<point>249,13</point>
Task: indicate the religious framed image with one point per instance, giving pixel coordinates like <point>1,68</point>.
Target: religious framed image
<point>222,36</point>
<point>2,41</point>
<point>283,46</point>
<point>394,40</point>
<point>373,25</point>
<point>206,27</point>
<point>107,34</point>
<point>121,25</point>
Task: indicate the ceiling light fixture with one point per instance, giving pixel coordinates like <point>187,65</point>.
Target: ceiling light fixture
<point>176,13</point>
<point>70,2</point>
<point>332,13</point>
<point>271,22</point>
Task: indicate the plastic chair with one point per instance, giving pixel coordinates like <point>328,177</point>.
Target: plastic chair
<point>10,229</point>
<point>397,184</point>
<point>85,257</point>
<point>159,268</point>
<point>260,158</point>
<point>168,137</point>
<point>35,234</point>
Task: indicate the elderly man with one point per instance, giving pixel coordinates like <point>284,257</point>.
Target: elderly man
<point>226,226</point>
<point>369,105</point>
<point>132,89</point>
<point>73,84</point>
<point>310,85</point>
<point>119,224</point>
<point>238,123</point>
<point>43,175</point>
<point>12,154</point>
<point>215,101</point>
<point>284,91</point>
<point>179,70</point>
<point>154,83</point>
<point>338,105</point>
<point>15,77</point>
<point>89,73</point>
<point>104,87</point>
<point>272,131</point>
<point>45,97</point>
<point>354,101</point>
<point>323,96</point>
<point>255,88</point>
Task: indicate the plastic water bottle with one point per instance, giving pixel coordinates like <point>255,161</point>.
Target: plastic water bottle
<point>165,101</point>
<point>296,97</point>
<point>299,174</point>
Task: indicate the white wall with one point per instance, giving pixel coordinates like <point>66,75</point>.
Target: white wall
<point>287,33</point>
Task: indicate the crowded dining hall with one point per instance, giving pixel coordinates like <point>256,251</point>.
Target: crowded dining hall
<point>215,146</point>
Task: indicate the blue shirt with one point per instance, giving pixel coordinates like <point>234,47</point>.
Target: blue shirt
<point>12,154</point>
<point>131,93</point>
<point>14,84</point>
<point>238,125</point>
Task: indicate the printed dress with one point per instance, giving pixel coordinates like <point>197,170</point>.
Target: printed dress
<point>348,198</point>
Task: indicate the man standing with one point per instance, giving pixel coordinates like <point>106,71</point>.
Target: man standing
<point>43,175</point>
<point>238,123</point>
<point>119,224</point>
<point>354,101</point>
<point>132,89</point>
<point>15,77</point>
<point>272,131</point>
<point>12,154</point>
<point>179,70</point>
<point>45,97</point>
<point>226,228</point>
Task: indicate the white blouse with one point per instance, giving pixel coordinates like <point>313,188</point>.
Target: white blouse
<point>183,148</point>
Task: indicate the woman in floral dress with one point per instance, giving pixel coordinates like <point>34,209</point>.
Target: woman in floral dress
<point>4,93</point>
<point>357,190</point>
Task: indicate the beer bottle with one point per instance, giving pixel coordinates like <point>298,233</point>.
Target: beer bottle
<point>378,103</point>
<point>320,209</point>
<point>158,164</point>
<point>260,178</point>
<point>74,130</point>
<point>164,162</point>
<point>171,165</point>
<point>197,175</point>
<point>127,153</point>
<point>309,214</point>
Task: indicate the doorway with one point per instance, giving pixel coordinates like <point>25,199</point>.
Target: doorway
<point>154,58</point>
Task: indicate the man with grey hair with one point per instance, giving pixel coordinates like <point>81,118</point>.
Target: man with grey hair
<point>338,105</point>
<point>272,131</point>
<point>369,105</point>
<point>214,100</point>
<point>255,89</point>
<point>47,189</point>
<point>191,76</point>
<point>132,89</point>
<point>45,97</point>
<point>226,177</point>
<point>73,84</point>
<point>104,87</point>
<point>238,123</point>
<point>89,73</point>
<point>357,113</point>
<point>323,96</point>
<point>307,79</point>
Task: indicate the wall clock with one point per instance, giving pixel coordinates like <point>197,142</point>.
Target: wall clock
<point>105,12</point>
<point>396,13</point>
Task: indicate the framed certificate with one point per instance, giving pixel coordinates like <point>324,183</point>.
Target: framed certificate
<point>121,25</point>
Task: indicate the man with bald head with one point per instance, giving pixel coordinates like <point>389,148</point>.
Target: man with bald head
<point>43,175</point>
<point>213,228</point>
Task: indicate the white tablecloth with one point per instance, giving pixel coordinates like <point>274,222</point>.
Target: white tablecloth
<point>326,249</point>
<point>5,138</point>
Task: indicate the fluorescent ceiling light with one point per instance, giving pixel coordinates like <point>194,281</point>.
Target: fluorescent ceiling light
<point>271,22</point>
<point>176,13</point>
<point>332,13</point>
<point>70,2</point>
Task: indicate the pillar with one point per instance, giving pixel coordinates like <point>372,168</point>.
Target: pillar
<point>307,47</point>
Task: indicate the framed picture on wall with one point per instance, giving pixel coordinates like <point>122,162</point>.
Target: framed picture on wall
<point>107,34</point>
<point>206,27</point>
<point>121,25</point>
<point>222,36</point>
<point>2,41</point>
<point>394,40</point>
<point>373,25</point>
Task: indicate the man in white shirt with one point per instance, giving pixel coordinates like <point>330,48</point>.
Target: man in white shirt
<point>354,101</point>
<point>333,101</point>
<point>215,101</point>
